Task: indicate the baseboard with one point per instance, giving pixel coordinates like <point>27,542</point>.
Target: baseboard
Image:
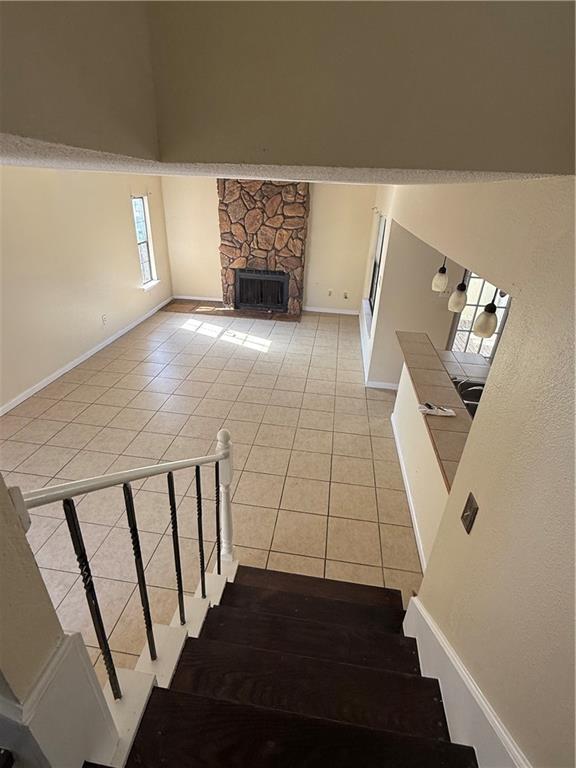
<point>198,298</point>
<point>411,506</point>
<point>382,385</point>
<point>84,356</point>
<point>331,311</point>
<point>471,718</point>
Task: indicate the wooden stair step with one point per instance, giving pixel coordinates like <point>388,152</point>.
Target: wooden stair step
<point>312,687</point>
<point>189,731</point>
<point>383,618</point>
<point>313,586</point>
<point>353,645</point>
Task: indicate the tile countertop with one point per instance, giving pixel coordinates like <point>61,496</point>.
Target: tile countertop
<point>430,370</point>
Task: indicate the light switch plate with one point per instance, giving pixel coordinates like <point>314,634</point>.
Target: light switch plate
<point>469,514</point>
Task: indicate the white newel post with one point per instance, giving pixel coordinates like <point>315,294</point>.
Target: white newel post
<point>226,474</point>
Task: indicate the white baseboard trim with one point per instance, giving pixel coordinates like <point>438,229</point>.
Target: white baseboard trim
<point>471,718</point>
<point>197,298</point>
<point>411,506</point>
<point>383,385</point>
<point>84,356</point>
<point>331,310</point>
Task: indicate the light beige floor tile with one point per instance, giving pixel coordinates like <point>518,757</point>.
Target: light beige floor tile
<point>167,423</point>
<point>215,408</point>
<point>129,635</point>
<point>399,548</point>
<point>354,572</point>
<point>163,384</point>
<point>58,553</point>
<point>357,502</point>
<point>103,507</point>
<point>200,426</point>
<point>281,416</point>
<point>38,431</point>
<point>160,572</point>
<point>111,440</point>
<point>353,541</point>
<point>272,461</point>
<point>74,435</point>
<point>259,489</point>
<point>381,426</point>
<point>358,446</point>
<point>346,469</point>
<point>291,383</point>
<point>13,453</point>
<point>320,387</point>
<point>308,566</point>
<point>255,395</point>
<point>149,445</point>
<point>192,388</point>
<point>103,379</point>
<point>134,381</point>
<point>222,391</point>
<point>322,420</point>
<point>305,495</point>
<point>114,396</point>
<point>384,448</point>
<point>354,424</point>
<point>241,431</point>
<point>98,415</point>
<point>247,412</point>
<point>255,558</point>
<point>115,558</point>
<point>86,464</point>
<point>313,466</point>
<point>58,389</point>
<point>388,475</point>
<point>85,393</point>
<point>48,460</point>
<point>275,437</point>
<point>393,507</point>
<point>351,405</point>
<point>406,581</point>
<point>75,616</point>
<point>253,526</point>
<point>182,404</point>
<point>46,407</point>
<point>313,440</point>
<point>315,402</point>
<point>28,483</point>
<point>299,533</point>
<point>186,448</point>
<point>40,530</point>
<point>152,512</point>
<point>58,584</point>
<point>121,661</point>
<point>286,399</point>
<point>149,401</point>
<point>346,389</point>
<point>10,425</point>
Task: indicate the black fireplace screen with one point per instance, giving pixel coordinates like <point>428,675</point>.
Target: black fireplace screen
<point>261,289</point>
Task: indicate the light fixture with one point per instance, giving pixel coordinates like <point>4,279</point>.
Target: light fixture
<point>486,322</point>
<point>457,300</point>
<point>440,280</point>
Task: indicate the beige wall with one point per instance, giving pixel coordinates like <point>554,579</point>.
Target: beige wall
<point>78,73</point>
<point>337,245</point>
<point>504,596</point>
<point>474,86</point>
<point>69,256</point>
<point>191,211</point>
<point>405,301</point>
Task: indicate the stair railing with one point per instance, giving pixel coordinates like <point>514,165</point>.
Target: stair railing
<point>66,492</point>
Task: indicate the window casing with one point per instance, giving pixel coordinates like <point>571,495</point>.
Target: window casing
<point>480,292</point>
<point>141,216</point>
<point>377,262</point>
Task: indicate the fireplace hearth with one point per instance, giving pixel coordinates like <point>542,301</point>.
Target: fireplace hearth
<point>266,290</point>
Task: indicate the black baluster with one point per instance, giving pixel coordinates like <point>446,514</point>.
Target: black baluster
<point>218,537</point>
<point>176,545</point>
<point>91,598</point>
<point>131,514</point>
<point>200,534</point>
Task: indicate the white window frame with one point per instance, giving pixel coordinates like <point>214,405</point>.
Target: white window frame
<point>151,262</point>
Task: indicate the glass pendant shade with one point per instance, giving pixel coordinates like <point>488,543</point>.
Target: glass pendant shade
<point>486,322</point>
<point>440,280</point>
<point>457,300</point>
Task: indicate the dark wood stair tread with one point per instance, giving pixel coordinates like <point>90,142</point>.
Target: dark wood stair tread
<point>313,586</point>
<point>352,645</point>
<point>312,687</point>
<point>181,730</point>
<point>383,618</point>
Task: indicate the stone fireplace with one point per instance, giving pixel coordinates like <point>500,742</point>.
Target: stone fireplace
<point>263,227</point>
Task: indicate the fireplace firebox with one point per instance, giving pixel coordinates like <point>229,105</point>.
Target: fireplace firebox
<point>261,289</point>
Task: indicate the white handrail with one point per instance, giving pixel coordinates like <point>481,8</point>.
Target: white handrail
<point>76,487</point>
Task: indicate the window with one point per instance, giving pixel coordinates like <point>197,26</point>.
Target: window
<point>145,253</point>
<point>480,292</point>
<point>377,260</point>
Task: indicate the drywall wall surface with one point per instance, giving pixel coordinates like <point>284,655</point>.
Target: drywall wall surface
<point>406,302</point>
<point>193,236</point>
<point>30,630</point>
<point>80,74</point>
<point>69,256</point>
<point>478,86</point>
<point>339,231</point>
<point>504,595</point>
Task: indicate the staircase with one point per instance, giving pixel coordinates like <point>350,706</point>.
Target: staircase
<point>293,671</point>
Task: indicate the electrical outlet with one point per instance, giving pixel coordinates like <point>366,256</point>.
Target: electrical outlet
<point>345,294</point>
<point>469,514</point>
<point>104,319</point>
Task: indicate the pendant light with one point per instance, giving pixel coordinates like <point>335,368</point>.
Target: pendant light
<point>457,300</point>
<point>486,322</point>
<point>440,280</point>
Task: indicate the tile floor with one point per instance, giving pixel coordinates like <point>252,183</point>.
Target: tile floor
<point>317,488</point>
